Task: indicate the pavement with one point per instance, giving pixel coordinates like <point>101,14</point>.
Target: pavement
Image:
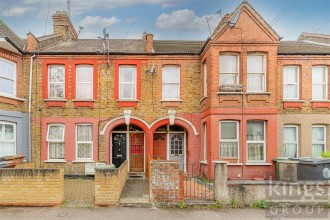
<point>128,213</point>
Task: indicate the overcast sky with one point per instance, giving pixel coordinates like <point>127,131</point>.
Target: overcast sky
<point>166,19</point>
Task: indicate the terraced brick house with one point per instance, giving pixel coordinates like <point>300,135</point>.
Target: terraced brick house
<point>243,96</point>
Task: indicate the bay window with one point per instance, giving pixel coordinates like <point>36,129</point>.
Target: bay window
<point>228,69</point>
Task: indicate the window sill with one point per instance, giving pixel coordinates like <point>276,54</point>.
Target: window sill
<point>12,97</point>
<point>55,161</point>
<point>205,97</point>
<point>292,100</point>
<point>258,93</point>
<point>230,93</point>
<point>203,162</point>
<point>326,101</point>
<point>55,100</point>
<point>127,103</point>
<point>83,100</point>
<point>171,100</point>
<point>84,103</point>
<point>127,100</point>
<point>258,164</point>
<point>83,161</point>
<point>234,164</point>
<point>55,103</point>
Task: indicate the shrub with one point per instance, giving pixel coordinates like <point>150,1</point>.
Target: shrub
<point>261,204</point>
<point>325,154</point>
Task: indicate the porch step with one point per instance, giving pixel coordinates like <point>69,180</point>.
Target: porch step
<point>136,175</point>
<point>134,202</point>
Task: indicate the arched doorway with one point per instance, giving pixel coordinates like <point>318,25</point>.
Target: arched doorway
<point>169,143</point>
<point>128,142</point>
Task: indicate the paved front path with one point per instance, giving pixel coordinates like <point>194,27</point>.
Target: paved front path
<point>135,191</point>
<point>123,213</point>
<point>78,193</point>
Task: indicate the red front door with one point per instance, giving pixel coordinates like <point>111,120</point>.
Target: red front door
<point>160,146</point>
<point>136,154</point>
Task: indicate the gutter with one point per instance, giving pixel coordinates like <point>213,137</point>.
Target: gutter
<point>30,104</point>
<point>114,53</point>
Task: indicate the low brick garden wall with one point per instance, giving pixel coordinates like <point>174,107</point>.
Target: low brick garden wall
<point>109,184</point>
<point>31,187</point>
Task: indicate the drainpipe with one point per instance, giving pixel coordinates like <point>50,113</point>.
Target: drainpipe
<point>30,103</point>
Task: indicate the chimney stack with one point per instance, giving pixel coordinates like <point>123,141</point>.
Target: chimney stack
<point>63,26</point>
<point>149,43</point>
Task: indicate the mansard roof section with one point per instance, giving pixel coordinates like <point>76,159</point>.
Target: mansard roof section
<point>123,46</point>
<point>11,37</point>
<point>302,48</point>
<point>244,24</point>
<point>322,39</point>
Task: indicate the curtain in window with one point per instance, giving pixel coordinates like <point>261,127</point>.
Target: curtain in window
<point>55,133</point>
<point>171,82</point>
<point>7,77</point>
<point>290,135</point>
<point>228,69</point>
<point>290,81</point>
<point>228,130</point>
<point>56,82</point>
<point>56,150</point>
<point>255,131</point>
<point>255,73</point>
<point>318,134</point>
<point>84,141</point>
<point>84,78</point>
<point>317,137</point>
<point>229,149</point>
<point>7,140</point>
<point>319,83</point>
<point>127,82</point>
<point>255,151</point>
<point>317,149</point>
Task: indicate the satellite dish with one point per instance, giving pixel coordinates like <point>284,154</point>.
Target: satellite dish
<point>233,19</point>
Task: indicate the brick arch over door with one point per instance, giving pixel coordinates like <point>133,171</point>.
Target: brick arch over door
<point>113,123</point>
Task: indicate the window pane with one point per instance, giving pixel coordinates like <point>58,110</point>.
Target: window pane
<point>255,82</point>
<point>319,91</point>
<point>318,75</point>
<point>56,90</point>
<point>84,73</point>
<point>84,150</point>
<point>229,149</point>
<point>55,133</point>
<point>7,148</point>
<point>171,91</point>
<point>230,79</point>
<point>128,74</point>
<point>171,74</point>
<point>228,130</point>
<point>127,91</point>
<point>84,91</point>
<point>290,134</point>
<point>317,134</point>
<point>290,75</point>
<point>255,64</point>
<point>9,132</point>
<point>290,150</point>
<point>56,151</point>
<point>84,133</point>
<point>7,69</point>
<point>7,86</point>
<point>255,151</point>
<point>56,74</point>
<point>228,64</point>
<point>317,149</point>
<point>290,91</point>
<point>255,131</point>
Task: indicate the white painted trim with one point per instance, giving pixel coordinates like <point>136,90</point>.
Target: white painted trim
<point>122,117</point>
<point>179,118</point>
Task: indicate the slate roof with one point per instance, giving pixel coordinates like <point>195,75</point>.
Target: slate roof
<point>302,48</point>
<point>5,31</point>
<point>133,46</point>
<point>317,38</point>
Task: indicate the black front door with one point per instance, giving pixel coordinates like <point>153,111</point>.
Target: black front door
<point>118,148</point>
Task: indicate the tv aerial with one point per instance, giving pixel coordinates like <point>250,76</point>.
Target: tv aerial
<point>105,45</point>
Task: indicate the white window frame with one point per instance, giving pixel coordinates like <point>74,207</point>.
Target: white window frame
<point>323,84</point>
<point>237,67</point>
<point>230,140</point>
<point>292,142</point>
<point>257,142</point>
<point>205,78</point>
<point>13,79</point>
<point>2,139</point>
<point>127,83</point>
<point>179,72</point>
<point>205,142</point>
<point>320,142</point>
<point>264,68</point>
<point>297,84</point>
<point>82,83</point>
<point>55,141</point>
<point>63,66</point>
<point>84,142</point>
